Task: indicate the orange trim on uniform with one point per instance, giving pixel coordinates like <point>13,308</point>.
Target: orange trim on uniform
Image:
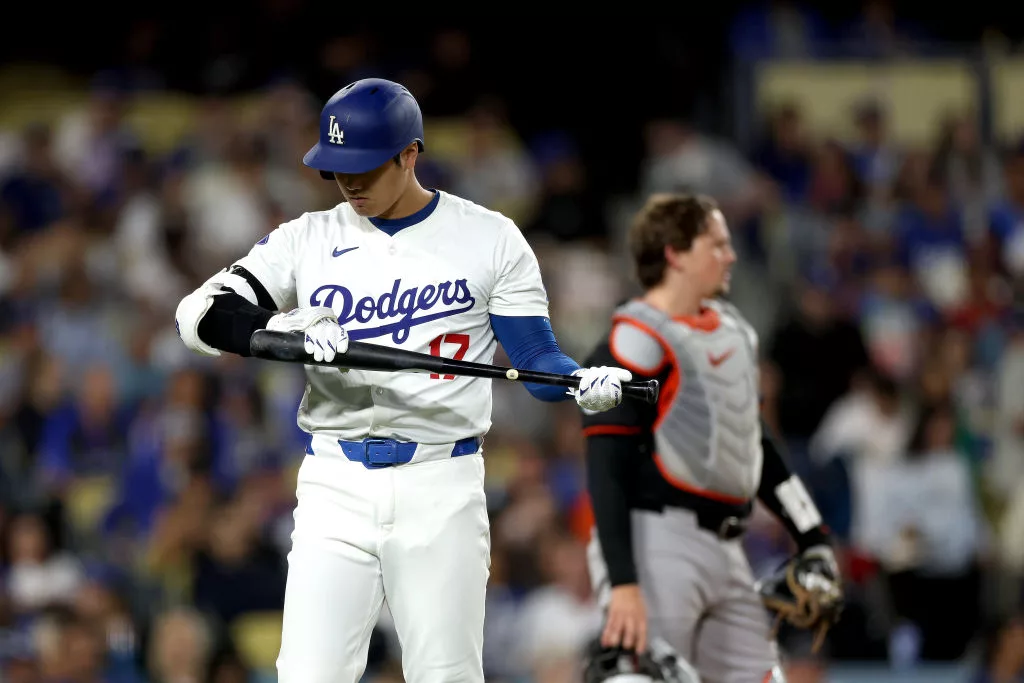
<point>619,318</point>
<point>707,320</point>
<point>767,677</point>
<point>604,430</point>
<point>668,393</point>
<point>674,379</point>
<point>697,491</point>
<point>634,367</point>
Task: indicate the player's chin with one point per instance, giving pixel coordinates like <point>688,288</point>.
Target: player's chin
<point>726,283</point>
<point>362,206</point>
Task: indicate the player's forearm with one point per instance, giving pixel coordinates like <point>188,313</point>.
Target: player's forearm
<point>530,344</point>
<point>229,323</point>
<point>785,495</point>
<point>222,314</point>
<point>553,361</point>
<point>607,457</point>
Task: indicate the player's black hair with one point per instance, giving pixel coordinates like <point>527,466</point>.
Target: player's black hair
<point>674,220</point>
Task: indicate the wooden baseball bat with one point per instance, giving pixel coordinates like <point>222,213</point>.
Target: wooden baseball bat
<point>290,347</point>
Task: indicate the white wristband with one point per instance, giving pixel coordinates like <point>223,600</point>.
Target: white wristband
<point>797,503</point>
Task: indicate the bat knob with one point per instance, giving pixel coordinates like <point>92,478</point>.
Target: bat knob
<point>653,391</point>
<point>512,374</point>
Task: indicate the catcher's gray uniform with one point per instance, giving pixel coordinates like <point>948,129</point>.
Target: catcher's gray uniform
<point>685,474</point>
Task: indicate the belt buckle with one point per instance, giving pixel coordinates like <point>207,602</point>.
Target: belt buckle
<point>730,528</point>
<point>390,447</point>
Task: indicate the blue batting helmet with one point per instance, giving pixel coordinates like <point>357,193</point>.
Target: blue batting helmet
<point>363,125</point>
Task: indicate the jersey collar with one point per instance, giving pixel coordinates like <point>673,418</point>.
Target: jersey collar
<point>393,225</point>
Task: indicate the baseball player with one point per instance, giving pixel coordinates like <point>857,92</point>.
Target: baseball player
<point>673,484</point>
<point>390,493</point>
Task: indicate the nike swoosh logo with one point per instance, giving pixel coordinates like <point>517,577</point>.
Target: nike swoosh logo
<point>338,252</point>
<point>718,360</point>
<point>583,390</point>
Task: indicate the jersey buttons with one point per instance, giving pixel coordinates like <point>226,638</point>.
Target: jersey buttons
<point>392,250</point>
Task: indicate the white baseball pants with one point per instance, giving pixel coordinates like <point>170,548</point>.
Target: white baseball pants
<point>416,535</point>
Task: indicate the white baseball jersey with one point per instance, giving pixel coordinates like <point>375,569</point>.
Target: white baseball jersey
<point>429,288</point>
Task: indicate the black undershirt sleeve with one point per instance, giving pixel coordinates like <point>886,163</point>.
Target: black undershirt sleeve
<point>776,472</point>
<point>617,442</point>
<point>607,464</point>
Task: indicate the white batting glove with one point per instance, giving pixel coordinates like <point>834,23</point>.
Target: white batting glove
<point>325,338</point>
<point>600,388</point>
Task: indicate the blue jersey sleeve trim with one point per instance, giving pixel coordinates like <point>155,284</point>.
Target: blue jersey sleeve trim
<point>530,344</point>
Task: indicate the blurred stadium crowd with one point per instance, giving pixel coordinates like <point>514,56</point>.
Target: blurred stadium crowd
<point>145,493</point>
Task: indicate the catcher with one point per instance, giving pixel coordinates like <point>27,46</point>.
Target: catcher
<point>672,485</point>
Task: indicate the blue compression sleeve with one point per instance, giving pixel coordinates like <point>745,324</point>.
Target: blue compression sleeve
<point>530,344</point>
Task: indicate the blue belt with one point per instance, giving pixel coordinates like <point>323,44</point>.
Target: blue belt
<point>374,453</point>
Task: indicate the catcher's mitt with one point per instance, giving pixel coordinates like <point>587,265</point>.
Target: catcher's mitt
<point>805,592</point>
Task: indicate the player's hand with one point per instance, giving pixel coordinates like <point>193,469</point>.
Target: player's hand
<point>626,625</point>
<point>600,388</point>
<point>325,338</point>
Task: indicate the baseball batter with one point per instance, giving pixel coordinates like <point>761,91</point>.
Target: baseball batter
<point>672,484</point>
<point>390,494</point>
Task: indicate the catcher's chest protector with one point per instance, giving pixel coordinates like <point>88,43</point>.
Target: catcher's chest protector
<point>708,432</point>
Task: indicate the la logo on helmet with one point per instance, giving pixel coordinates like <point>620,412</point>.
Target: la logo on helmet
<point>334,133</point>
